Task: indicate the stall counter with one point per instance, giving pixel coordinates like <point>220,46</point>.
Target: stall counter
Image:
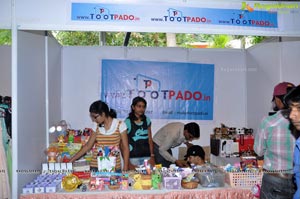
<point>207,193</point>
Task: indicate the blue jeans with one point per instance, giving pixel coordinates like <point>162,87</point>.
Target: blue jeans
<point>159,159</point>
<point>273,187</point>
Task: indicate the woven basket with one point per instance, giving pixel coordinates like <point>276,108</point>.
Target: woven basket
<point>114,187</point>
<point>189,185</point>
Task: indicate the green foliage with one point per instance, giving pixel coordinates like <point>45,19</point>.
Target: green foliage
<point>136,39</point>
<point>80,38</point>
<point>72,38</point>
<point>5,37</point>
<point>257,39</point>
<point>220,41</point>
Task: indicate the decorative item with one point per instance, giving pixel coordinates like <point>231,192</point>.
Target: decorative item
<point>61,140</point>
<point>189,185</point>
<point>71,134</point>
<point>156,181</point>
<point>52,153</point>
<point>146,182</point>
<point>137,182</point>
<point>70,182</point>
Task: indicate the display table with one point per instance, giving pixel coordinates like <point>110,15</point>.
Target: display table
<point>205,193</point>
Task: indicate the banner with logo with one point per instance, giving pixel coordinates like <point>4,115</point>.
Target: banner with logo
<point>172,16</point>
<point>265,18</point>
<point>172,90</point>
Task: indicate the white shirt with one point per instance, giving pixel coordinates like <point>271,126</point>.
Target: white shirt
<point>113,127</point>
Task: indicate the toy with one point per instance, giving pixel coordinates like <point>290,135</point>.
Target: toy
<point>137,182</point>
<point>52,153</point>
<point>156,181</point>
<point>61,140</point>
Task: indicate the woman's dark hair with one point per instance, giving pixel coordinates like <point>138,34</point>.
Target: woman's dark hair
<point>134,102</point>
<point>193,128</point>
<point>100,107</point>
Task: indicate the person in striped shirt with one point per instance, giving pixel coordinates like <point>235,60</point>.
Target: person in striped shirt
<point>110,132</point>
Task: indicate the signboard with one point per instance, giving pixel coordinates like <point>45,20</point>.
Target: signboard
<point>172,90</point>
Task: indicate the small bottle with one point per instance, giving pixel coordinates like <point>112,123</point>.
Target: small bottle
<point>145,163</point>
<point>255,190</point>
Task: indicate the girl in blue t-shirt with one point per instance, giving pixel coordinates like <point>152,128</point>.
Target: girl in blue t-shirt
<point>139,134</point>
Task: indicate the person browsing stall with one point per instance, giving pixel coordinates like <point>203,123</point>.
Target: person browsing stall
<point>275,142</point>
<point>172,135</point>
<point>195,155</point>
<point>139,134</point>
<point>110,132</point>
<point>292,99</point>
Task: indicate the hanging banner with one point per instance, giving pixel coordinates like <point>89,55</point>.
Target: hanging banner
<point>172,16</point>
<point>172,90</point>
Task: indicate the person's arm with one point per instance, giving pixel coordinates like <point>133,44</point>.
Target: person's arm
<point>125,150</point>
<point>85,148</point>
<point>259,141</point>
<point>128,124</point>
<point>150,140</point>
<point>165,146</point>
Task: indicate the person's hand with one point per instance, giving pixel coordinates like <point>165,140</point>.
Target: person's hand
<point>181,163</point>
<point>151,161</point>
<point>132,166</point>
<point>188,145</point>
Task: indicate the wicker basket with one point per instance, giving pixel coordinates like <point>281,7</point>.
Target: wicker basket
<point>189,185</point>
<point>114,187</point>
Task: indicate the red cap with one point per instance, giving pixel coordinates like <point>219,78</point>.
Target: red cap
<point>282,88</point>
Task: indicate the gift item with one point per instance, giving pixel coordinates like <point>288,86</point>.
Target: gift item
<point>52,153</point>
<point>96,184</point>
<point>52,187</point>
<point>40,188</point>
<point>28,188</point>
<point>70,182</point>
<point>146,182</point>
<point>246,142</point>
<point>189,185</point>
<point>137,182</point>
<point>106,163</point>
<point>172,182</point>
<point>114,183</point>
<point>106,157</point>
<point>124,184</point>
<point>156,181</point>
<point>81,165</point>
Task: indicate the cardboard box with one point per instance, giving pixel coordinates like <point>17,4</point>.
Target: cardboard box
<point>172,182</point>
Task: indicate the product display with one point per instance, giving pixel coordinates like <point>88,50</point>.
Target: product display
<point>68,177</point>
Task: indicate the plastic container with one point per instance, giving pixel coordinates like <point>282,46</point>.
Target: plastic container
<point>211,179</point>
<point>243,179</point>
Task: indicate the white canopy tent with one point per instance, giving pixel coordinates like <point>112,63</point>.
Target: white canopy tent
<point>41,68</point>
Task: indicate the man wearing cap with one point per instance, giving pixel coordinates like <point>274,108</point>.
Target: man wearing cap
<point>170,136</point>
<point>195,155</point>
<point>292,99</point>
<point>275,142</point>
